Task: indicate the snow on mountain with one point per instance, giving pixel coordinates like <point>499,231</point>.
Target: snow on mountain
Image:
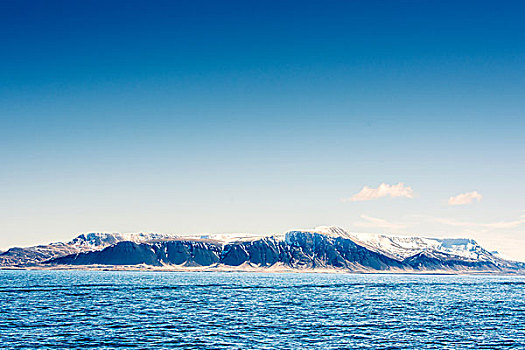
<point>323,242</point>
<point>332,231</point>
<point>82,243</point>
<point>329,248</point>
<point>99,240</point>
<point>402,247</point>
<point>397,247</point>
<point>226,238</point>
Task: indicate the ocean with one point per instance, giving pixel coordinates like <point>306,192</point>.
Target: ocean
<point>220,310</point>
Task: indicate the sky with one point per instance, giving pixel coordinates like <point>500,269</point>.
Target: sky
<point>184,117</point>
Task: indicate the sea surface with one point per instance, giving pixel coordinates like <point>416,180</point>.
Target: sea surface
<point>166,310</point>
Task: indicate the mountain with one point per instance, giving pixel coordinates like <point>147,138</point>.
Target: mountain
<point>321,248</point>
<point>82,243</point>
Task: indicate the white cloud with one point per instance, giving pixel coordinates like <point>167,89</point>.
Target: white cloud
<point>452,222</point>
<point>384,190</point>
<point>377,222</point>
<point>507,224</point>
<point>464,198</point>
<point>493,225</point>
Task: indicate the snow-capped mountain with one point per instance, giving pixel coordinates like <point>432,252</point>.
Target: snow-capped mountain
<point>323,247</point>
<point>97,240</point>
<point>82,243</point>
<point>402,247</point>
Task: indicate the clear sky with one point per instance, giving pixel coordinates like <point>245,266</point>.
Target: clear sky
<point>263,116</point>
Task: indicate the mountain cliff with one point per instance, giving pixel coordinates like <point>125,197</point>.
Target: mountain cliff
<point>321,248</point>
<point>83,243</point>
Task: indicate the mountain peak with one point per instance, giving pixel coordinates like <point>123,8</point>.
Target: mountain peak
<point>396,252</point>
<point>333,231</point>
<point>102,239</point>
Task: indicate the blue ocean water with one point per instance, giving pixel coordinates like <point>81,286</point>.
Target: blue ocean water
<point>152,310</point>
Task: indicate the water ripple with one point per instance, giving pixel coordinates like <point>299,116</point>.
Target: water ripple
<point>142,310</point>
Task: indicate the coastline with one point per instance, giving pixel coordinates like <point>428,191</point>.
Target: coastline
<point>253,269</point>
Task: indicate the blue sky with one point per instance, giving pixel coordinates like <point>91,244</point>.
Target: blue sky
<point>205,116</point>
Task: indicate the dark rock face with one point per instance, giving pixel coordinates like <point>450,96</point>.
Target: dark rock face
<point>88,242</point>
<point>34,255</point>
<point>313,250</point>
<point>262,252</point>
<point>300,249</point>
<point>435,261</point>
<point>187,252</point>
<point>155,254</point>
<point>305,250</point>
<point>122,253</point>
<point>234,255</point>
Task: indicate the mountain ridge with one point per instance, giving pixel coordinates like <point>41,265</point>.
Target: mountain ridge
<point>325,247</point>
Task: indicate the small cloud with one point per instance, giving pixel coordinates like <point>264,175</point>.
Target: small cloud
<point>377,222</point>
<point>464,198</point>
<point>384,190</point>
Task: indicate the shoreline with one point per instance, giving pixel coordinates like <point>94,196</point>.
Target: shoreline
<point>251,269</point>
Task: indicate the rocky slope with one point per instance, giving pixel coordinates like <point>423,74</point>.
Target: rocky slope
<point>300,249</point>
<point>83,243</point>
<point>322,248</point>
